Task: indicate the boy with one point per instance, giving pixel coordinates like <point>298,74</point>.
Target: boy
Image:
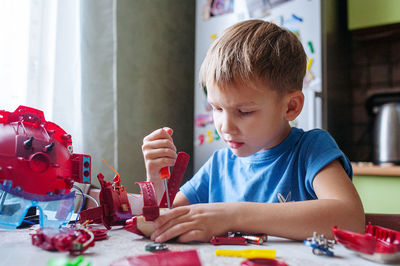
<point>272,178</point>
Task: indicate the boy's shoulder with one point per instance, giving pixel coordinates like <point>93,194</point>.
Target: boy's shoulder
<point>313,133</point>
<point>314,138</point>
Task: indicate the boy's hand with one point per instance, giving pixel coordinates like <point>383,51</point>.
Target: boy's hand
<point>198,222</point>
<point>158,151</point>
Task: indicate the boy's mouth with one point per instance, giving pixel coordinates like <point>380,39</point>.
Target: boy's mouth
<point>234,144</point>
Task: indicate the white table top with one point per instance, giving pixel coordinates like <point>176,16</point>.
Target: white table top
<point>16,249</point>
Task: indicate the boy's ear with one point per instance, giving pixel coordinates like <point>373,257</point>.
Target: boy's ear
<point>295,102</point>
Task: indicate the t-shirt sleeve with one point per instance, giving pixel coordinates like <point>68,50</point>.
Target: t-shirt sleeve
<point>321,149</point>
<point>196,190</point>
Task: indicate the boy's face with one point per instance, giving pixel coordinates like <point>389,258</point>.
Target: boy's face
<point>248,119</point>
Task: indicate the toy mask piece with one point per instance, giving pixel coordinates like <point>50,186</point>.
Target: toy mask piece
<point>55,210</point>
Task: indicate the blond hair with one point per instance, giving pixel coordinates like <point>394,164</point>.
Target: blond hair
<point>255,50</point>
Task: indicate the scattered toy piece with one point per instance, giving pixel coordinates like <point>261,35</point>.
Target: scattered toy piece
<point>247,253</point>
<point>263,262</point>
<point>377,244</point>
<point>257,239</point>
<point>74,240</point>
<point>156,246</point>
<point>170,258</point>
<point>78,261</point>
<point>228,240</point>
<point>320,245</point>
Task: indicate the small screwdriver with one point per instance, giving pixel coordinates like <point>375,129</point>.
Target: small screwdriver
<point>165,175</point>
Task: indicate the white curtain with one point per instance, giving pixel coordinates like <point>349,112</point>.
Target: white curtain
<point>59,56</point>
<point>99,83</point>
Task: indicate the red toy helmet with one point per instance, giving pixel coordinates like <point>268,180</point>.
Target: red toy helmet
<point>36,155</point>
<point>36,158</point>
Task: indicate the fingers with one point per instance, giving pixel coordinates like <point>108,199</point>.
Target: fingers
<point>158,151</point>
<point>181,222</point>
<point>194,235</point>
<point>160,133</point>
<point>171,215</point>
<point>159,144</point>
<point>188,231</point>
<point>174,231</point>
<point>171,224</point>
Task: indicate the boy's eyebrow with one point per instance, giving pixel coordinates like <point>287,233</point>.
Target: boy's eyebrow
<point>244,104</point>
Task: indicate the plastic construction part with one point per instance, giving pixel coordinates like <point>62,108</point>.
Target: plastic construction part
<point>378,244</point>
<point>131,226</point>
<point>150,210</point>
<point>156,246</point>
<point>263,262</point>
<point>74,240</point>
<point>228,240</point>
<point>150,207</point>
<point>37,156</point>
<point>247,253</point>
<point>114,207</point>
<point>55,210</point>
<point>99,233</point>
<point>173,258</point>
<point>63,261</point>
<point>320,245</point>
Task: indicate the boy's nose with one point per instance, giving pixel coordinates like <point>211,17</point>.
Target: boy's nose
<point>228,125</point>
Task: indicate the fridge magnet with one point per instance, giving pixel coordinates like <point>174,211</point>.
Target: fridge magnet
<point>258,8</point>
<point>309,63</point>
<point>202,120</point>
<point>208,137</point>
<point>213,8</point>
<point>310,45</point>
<point>297,18</point>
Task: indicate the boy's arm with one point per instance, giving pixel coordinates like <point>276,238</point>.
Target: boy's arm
<point>180,200</point>
<point>338,204</point>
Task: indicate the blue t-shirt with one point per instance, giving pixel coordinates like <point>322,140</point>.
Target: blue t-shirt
<point>281,174</point>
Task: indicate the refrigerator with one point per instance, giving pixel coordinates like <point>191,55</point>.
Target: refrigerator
<point>310,20</point>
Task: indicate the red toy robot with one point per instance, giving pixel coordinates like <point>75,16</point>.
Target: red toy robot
<point>37,169</point>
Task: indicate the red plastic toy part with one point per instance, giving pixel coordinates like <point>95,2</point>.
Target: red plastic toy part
<point>36,155</point>
<point>142,225</point>
<point>114,206</point>
<point>377,243</point>
<point>150,207</point>
<point>228,240</point>
<point>74,240</point>
<point>173,258</point>
<point>263,262</point>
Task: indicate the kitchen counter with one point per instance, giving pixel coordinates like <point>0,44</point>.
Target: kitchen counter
<point>378,187</point>
<point>370,169</point>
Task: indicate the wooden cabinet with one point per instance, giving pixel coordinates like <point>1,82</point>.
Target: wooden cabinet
<point>379,194</point>
<point>371,13</point>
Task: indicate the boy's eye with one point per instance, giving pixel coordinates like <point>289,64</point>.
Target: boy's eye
<point>217,109</point>
<point>244,113</point>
